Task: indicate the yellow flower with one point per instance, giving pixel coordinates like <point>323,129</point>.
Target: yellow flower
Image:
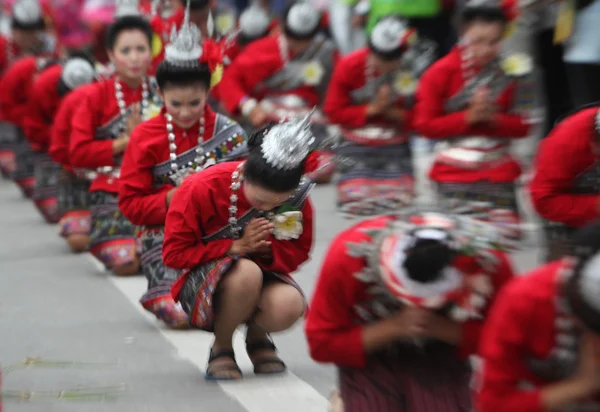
<point>225,23</point>
<point>157,45</point>
<point>517,64</point>
<point>216,76</point>
<point>405,84</point>
<point>152,111</point>
<point>288,225</point>
<point>313,73</point>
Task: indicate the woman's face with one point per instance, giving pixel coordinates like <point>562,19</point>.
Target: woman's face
<point>263,199</point>
<point>131,55</point>
<point>483,41</point>
<point>185,103</point>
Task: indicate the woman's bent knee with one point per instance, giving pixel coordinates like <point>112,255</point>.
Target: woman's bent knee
<point>245,276</point>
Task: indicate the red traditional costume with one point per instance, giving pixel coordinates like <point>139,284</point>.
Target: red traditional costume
<point>15,91</point>
<point>374,157</point>
<point>363,281</point>
<point>529,342</point>
<point>99,119</point>
<point>473,165</point>
<point>565,187</point>
<point>73,190</point>
<point>199,233</point>
<point>286,85</point>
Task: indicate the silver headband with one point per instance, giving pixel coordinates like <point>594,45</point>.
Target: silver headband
<point>77,72</point>
<point>254,21</point>
<point>303,18</point>
<point>387,35</point>
<point>184,49</point>
<point>286,145</point>
<point>27,11</point>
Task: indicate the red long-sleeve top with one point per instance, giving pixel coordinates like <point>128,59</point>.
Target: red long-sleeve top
<point>562,156</point>
<point>200,207</point>
<point>61,129</point>
<point>15,91</point>
<point>437,85</point>
<point>255,64</point>
<point>521,324</point>
<point>349,75</point>
<point>8,51</point>
<point>139,199</point>
<point>333,327</point>
<point>43,104</point>
<point>97,107</point>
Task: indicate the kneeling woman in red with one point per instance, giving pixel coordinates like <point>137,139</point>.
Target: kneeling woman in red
<point>541,345</point>
<point>398,308</point>
<point>238,230</point>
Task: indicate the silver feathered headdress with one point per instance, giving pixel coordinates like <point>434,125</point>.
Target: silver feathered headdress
<point>77,72</point>
<point>127,8</point>
<point>303,17</point>
<point>184,49</point>
<point>27,11</point>
<point>254,21</point>
<point>286,145</point>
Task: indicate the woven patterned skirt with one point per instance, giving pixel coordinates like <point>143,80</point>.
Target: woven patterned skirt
<point>10,136</point>
<point>198,294</point>
<point>25,167</point>
<point>73,204</point>
<point>559,240</point>
<point>408,379</point>
<point>45,192</point>
<point>112,237</point>
<point>374,180</point>
<point>495,202</point>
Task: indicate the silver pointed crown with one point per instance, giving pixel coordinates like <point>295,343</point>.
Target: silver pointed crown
<point>286,145</point>
<point>303,18</point>
<point>77,72</point>
<point>254,21</point>
<point>27,11</point>
<point>127,8</point>
<point>388,34</point>
<point>184,49</point>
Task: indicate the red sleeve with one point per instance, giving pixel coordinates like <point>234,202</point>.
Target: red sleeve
<point>560,159</point>
<point>38,120</point>
<point>503,352</point>
<point>13,93</point>
<point>332,334</point>
<point>183,247</point>
<point>138,200</point>
<point>59,138</point>
<point>338,105</point>
<point>471,330</point>
<point>289,254</point>
<point>84,150</point>
<point>249,68</point>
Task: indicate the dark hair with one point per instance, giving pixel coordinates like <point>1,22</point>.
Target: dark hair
<point>483,14</point>
<point>39,24</point>
<point>426,260</point>
<point>257,171</point>
<point>296,36</point>
<point>127,23</point>
<point>199,4</point>
<point>168,74</point>
<point>81,54</point>
<point>586,245</point>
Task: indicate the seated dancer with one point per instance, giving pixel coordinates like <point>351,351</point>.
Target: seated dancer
<point>73,189</point>
<point>238,230</point>
<point>28,36</point>
<point>101,127</point>
<point>164,151</point>
<point>564,189</point>
<point>399,307</point>
<point>47,91</point>
<point>466,101</point>
<point>540,345</point>
<point>370,96</point>
<point>283,76</point>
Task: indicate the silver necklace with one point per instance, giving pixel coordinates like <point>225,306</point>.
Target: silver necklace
<point>173,147</point>
<point>283,49</point>
<point>121,99</point>
<point>237,177</point>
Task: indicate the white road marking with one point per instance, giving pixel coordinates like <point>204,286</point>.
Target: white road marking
<point>253,394</point>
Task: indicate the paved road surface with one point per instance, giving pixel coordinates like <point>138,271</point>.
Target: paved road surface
<point>59,307</point>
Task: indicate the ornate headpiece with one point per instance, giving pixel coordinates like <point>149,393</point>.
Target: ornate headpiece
<point>303,18</point>
<point>254,21</point>
<point>76,72</point>
<point>286,145</point>
<point>127,8</point>
<point>390,34</point>
<point>184,49</point>
<point>27,11</point>
<point>509,7</point>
